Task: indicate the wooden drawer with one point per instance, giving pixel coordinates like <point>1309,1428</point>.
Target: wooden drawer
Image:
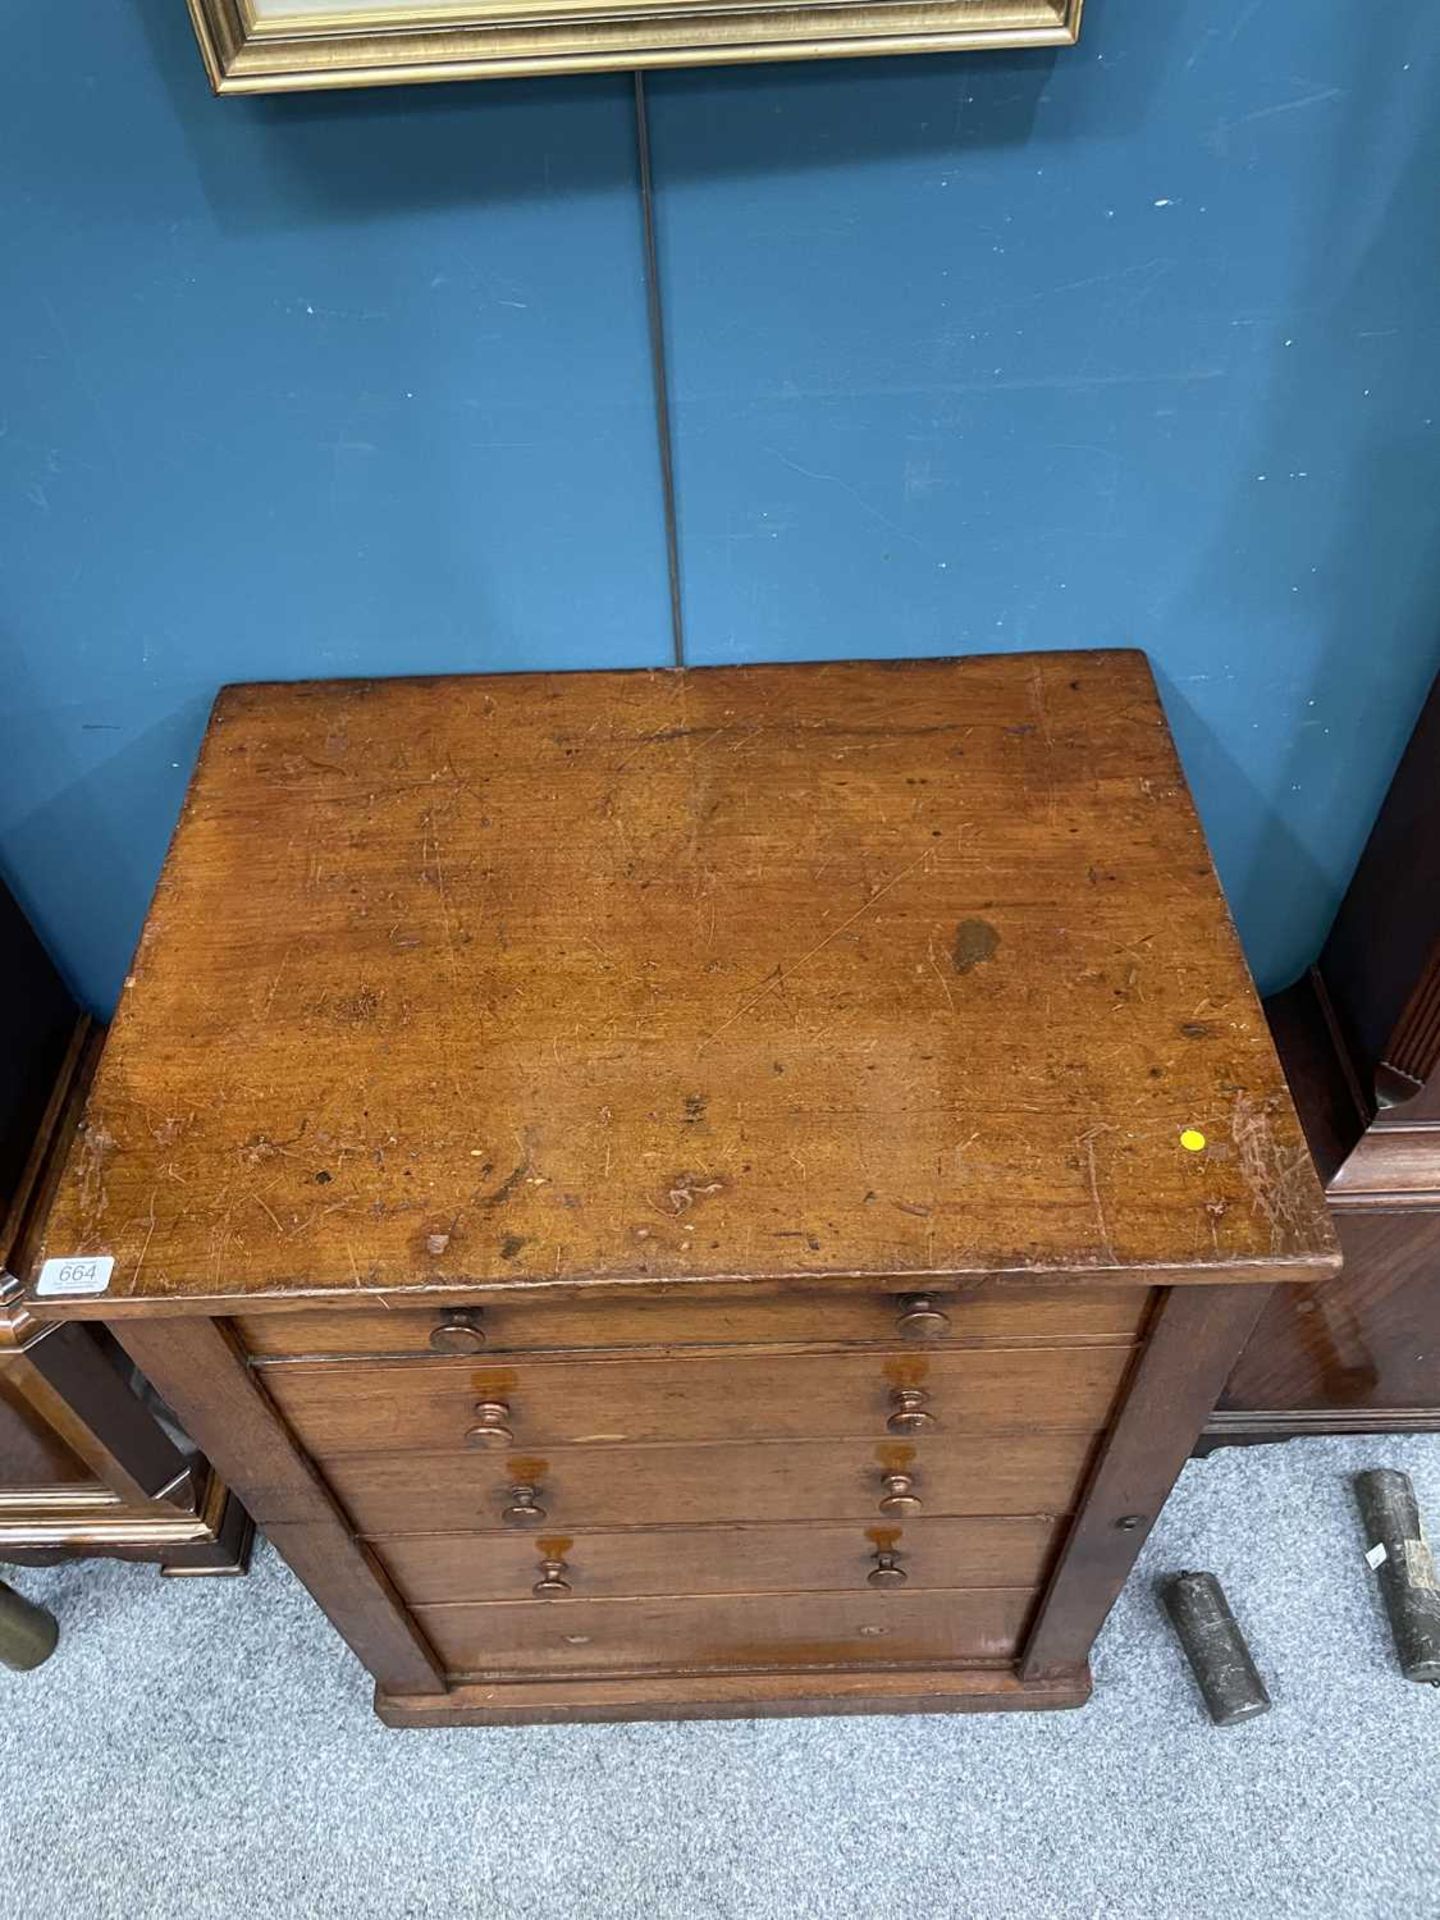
<point>379,1407</point>
<point>751,1633</point>
<point>431,1568</point>
<point>589,1487</point>
<point>992,1314</point>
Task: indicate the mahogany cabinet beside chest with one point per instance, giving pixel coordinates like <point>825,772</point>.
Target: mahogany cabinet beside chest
<point>88,1462</point>
<point>1359,1038</point>
<point>719,1192</point>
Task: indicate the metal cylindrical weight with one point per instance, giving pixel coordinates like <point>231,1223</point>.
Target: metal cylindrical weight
<point>1405,1565</point>
<point>1215,1648</point>
<point>27,1632</point>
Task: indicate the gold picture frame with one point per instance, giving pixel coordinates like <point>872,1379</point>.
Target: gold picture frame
<point>272,46</point>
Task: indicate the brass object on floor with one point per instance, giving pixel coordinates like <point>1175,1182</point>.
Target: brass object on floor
<point>1217,1651</point>
<point>1405,1567</point>
<point>27,1633</point>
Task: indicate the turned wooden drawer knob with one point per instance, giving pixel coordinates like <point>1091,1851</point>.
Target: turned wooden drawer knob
<point>887,1571</point>
<point>524,1509</point>
<point>458,1330</point>
<point>908,1411</point>
<point>920,1318</point>
<point>900,1495</point>
<point>552,1584</point>
<point>492,1425</point>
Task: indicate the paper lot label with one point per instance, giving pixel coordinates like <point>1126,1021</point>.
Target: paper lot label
<point>76,1275</point>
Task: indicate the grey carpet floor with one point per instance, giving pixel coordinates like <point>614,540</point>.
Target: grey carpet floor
<point>207,1748</point>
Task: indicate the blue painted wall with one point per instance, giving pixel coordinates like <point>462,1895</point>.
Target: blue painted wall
<point>1137,343</point>
<point>291,387</point>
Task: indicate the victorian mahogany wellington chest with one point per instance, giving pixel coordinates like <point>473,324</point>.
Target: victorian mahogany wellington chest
<point>719,1192</point>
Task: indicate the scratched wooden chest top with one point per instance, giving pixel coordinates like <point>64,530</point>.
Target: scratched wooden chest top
<point>762,972</point>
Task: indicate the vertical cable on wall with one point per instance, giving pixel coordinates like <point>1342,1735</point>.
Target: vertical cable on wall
<point>656,318</point>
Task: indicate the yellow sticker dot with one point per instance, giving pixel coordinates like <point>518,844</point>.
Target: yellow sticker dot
<point>1192,1140</point>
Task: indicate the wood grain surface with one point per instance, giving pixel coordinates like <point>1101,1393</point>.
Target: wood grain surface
<point>377,1406</point>
<point>840,970</point>
<point>1195,1338</point>
<point>1358,1347</point>
<point>196,1366</point>
<point>990,1315</point>
<point>32,1454</point>
<point>442,1568</point>
<point>733,1696</point>
<point>716,1485</point>
<point>748,1632</point>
